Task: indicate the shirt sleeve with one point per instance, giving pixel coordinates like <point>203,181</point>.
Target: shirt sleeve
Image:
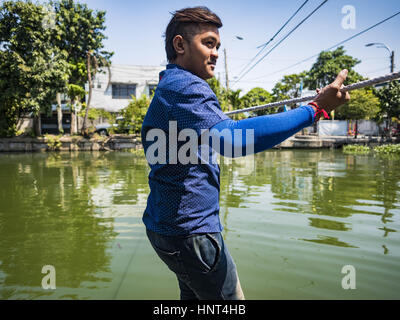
<point>196,107</point>
<point>266,131</point>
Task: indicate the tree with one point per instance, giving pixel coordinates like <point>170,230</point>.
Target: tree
<point>289,87</point>
<point>75,94</point>
<point>390,101</point>
<point>362,105</point>
<point>256,97</point>
<point>234,101</point>
<point>81,36</point>
<point>134,113</point>
<point>220,93</point>
<point>328,66</point>
<point>32,70</point>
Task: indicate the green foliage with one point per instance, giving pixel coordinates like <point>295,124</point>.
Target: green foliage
<point>137,152</point>
<point>42,48</point>
<point>235,103</point>
<point>288,87</point>
<point>32,70</point>
<point>53,142</point>
<point>327,67</point>
<point>80,30</point>
<point>363,104</point>
<point>220,93</point>
<point>390,99</point>
<point>75,91</point>
<point>256,97</point>
<point>356,149</point>
<point>134,114</point>
<point>96,113</point>
<point>388,149</point>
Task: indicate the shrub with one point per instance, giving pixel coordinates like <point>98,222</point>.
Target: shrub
<point>356,149</point>
<point>134,114</point>
<point>388,149</point>
<point>53,142</point>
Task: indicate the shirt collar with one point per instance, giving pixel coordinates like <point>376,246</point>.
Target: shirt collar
<point>174,66</point>
<point>170,66</point>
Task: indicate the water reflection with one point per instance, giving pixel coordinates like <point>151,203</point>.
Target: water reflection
<point>330,241</point>
<point>317,183</point>
<point>281,210</point>
<point>48,216</point>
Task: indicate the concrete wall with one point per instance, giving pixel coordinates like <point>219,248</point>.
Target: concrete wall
<point>341,127</point>
<point>332,127</point>
<point>25,124</point>
<point>142,76</point>
<point>25,144</point>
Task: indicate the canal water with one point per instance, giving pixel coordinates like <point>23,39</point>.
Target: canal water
<point>300,224</point>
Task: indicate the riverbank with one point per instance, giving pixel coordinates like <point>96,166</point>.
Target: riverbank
<point>124,142</point>
<point>318,142</point>
<point>69,143</point>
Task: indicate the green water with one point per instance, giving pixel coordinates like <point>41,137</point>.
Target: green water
<point>292,220</point>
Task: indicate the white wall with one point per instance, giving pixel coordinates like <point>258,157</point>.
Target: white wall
<point>340,127</point>
<point>332,127</point>
<point>142,76</point>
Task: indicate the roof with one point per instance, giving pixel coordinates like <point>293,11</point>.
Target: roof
<point>134,74</point>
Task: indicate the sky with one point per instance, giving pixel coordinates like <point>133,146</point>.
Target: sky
<point>135,33</point>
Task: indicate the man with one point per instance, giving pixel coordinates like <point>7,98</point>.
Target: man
<point>182,213</point>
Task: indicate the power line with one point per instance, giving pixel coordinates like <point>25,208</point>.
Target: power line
<point>354,86</point>
<point>273,37</point>
<point>330,48</point>
<point>298,25</point>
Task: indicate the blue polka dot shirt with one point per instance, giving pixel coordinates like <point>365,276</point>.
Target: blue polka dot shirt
<point>184,198</point>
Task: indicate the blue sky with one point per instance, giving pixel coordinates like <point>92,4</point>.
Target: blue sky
<point>135,29</point>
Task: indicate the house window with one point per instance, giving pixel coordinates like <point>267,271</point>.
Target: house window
<point>152,88</point>
<point>123,91</point>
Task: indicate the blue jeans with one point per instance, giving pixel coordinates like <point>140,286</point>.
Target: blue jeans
<point>202,264</point>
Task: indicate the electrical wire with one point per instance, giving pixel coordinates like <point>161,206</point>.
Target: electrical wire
<point>358,85</point>
<point>273,37</point>
<point>330,48</point>
<point>298,25</point>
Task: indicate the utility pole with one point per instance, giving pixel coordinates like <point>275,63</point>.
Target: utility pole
<point>226,71</point>
<point>392,62</point>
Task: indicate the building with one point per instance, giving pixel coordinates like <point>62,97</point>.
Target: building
<point>110,92</point>
<point>114,92</point>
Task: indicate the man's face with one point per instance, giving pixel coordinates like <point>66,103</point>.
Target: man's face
<point>202,52</point>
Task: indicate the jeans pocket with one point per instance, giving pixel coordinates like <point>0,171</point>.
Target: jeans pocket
<point>208,252</point>
<point>171,259</point>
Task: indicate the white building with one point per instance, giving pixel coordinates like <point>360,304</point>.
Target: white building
<point>113,93</point>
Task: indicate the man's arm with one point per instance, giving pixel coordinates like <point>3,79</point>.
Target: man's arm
<point>260,133</point>
<point>271,130</point>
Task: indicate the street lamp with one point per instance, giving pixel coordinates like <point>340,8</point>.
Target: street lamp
<point>382,45</point>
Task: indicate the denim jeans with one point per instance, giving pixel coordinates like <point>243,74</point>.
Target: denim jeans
<point>202,264</point>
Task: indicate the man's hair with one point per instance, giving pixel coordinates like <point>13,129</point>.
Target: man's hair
<point>186,22</point>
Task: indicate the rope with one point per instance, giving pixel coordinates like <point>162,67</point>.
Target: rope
<point>354,86</point>
<point>127,268</point>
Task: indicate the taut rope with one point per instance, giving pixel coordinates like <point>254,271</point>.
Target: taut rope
<point>354,86</point>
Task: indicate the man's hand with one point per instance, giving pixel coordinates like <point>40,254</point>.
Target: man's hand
<point>330,97</point>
